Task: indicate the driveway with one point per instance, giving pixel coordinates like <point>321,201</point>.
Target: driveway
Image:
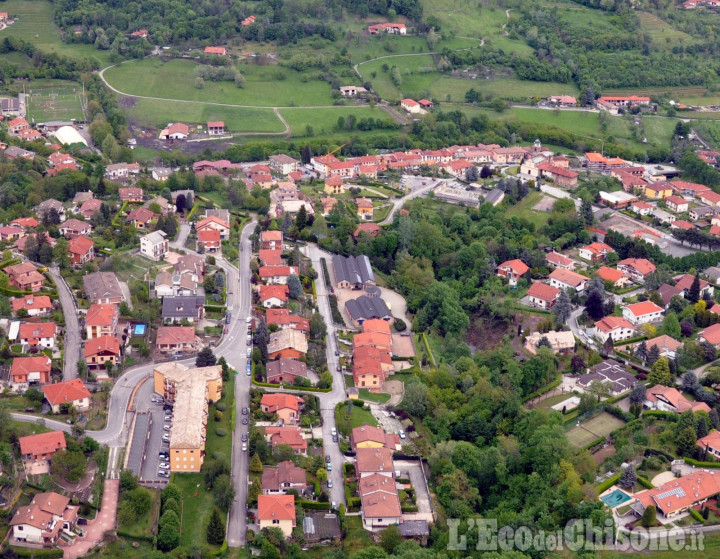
<point>105,521</point>
<point>414,472</point>
<point>73,338</point>
<point>183,232</point>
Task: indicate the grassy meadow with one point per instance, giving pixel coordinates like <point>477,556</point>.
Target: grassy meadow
<point>323,120</point>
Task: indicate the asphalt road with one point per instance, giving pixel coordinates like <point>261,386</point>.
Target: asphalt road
<point>398,203</point>
<point>181,237</point>
<point>73,338</point>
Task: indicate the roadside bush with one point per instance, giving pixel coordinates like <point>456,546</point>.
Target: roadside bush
<point>220,432</point>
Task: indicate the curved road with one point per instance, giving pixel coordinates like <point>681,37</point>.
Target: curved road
<point>398,203</point>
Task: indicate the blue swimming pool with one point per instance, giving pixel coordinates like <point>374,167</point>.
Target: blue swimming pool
<point>615,499</point>
<point>140,329</point>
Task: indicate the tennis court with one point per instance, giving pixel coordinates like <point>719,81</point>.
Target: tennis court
<point>599,426</point>
<point>56,103</point>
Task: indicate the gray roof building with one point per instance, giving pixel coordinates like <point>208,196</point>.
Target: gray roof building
<point>712,273</point>
<point>13,152</point>
<point>188,307</point>
<point>353,271</point>
<point>285,368</point>
<point>321,526</point>
<point>364,308</point>
<point>494,197</point>
<point>103,288</point>
<point>221,213</point>
<point>10,104</point>
<point>610,371</point>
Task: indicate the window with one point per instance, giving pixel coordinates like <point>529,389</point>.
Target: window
<point>276,522</point>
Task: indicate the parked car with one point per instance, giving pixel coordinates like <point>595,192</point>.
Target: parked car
<point>329,467</point>
<point>335,438</point>
<point>329,484</point>
<point>166,427</point>
<point>333,431</point>
<point>163,473</point>
<point>328,459</point>
<point>402,434</point>
<point>337,353</point>
<point>168,418</point>
<point>245,411</point>
<point>244,447</point>
<point>244,437</point>
<point>164,466</point>
<point>166,436</point>
<point>156,400</point>
<point>248,319</point>
<point>249,352</point>
<point>245,421</point>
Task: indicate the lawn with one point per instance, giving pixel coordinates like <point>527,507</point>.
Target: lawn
<point>152,113</point>
<point>175,79</point>
<point>34,23</point>
<point>548,403</point>
<point>709,548</point>
<point>364,47</point>
<point>55,100</point>
<point>357,537</point>
<point>506,88</point>
<point>215,443</point>
<point>143,526</point>
<point>324,120</point>
<point>197,505</point>
<point>380,398</point>
<point>358,417</point>
<point>523,209</point>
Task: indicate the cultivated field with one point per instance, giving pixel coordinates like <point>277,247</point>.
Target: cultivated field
<point>34,23</point>
<point>417,75</point>
<point>466,17</point>
<point>175,79</point>
<point>661,32</point>
<point>599,426</point>
<point>55,100</point>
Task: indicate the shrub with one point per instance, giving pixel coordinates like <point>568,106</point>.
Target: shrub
<point>400,325</point>
<point>220,432</point>
<point>220,406</point>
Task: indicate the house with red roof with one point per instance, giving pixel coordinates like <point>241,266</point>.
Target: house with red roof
<point>38,335</point>
<point>216,128</point>
<point>140,218</point>
<point>283,319</point>
<point>37,451</point>
<point>668,398</point>
<point>641,208</point>
<point>176,339</point>
<point>567,279</point>
<point>100,350</point>
<point>101,320</point>
<point>273,295</point>
<point>25,222</point>
<point>682,224</point>
<point>613,104</point>
<point>287,406</point>
<point>209,241</point>
<point>677,204</point>
<point>389,28</point>
<point>218,51</point>
<point>710,198</point>
<point>17,125</point>
<point>11,233</point>
<point>542,295</point>
<point>34,305</point>
<point>277,511</point>
<point>616,327</point>
<point>561,176</point>
<point>689,189</point>
<point>284,476</point>
<point>643,313</point>
<point>637,269</point>
<point>72,392</point>
<point>271,240</point>
<point>372,229</point>
<point>30,370</point>
<point>557,260</point>
<point>613,276</point>
<point>710,443</point>
<point>680,494</point>
<point>176,130</point>
<point>277,274</point>
<point>269,257</point>
<point>214,223</point>
<point>81,250</point>
<point>130,194</point>
<point>711,335</point>
<point>25,276</point>
<point>685,282</point>
<point>89,208</point>
<point>411,106</point>
<point>594,252</point>
<point>512,270</point>
<point>562,100</point>
<point>290,436</point>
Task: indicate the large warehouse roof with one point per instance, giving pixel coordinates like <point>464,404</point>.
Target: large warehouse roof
<point>68,135</point>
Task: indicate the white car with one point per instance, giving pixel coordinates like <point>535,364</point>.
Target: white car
<point>249,352</point>
<point>333,431</point>
<point>164,466</point>
<point>248,320</point>
<point>402,434</point>
<point>166,427</point>
<point>166,436</point>
<point>244,447</point>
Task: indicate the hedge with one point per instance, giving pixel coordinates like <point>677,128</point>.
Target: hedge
<point>544,389</point>
<point>13,292</point>
<point>630,341</point>
<point>663,414</point>
<point>592,444</point>
<point>608,483</point>
<point>5,263</point>
<point>300,388</point>
<point>427,349</point>
<point>223,550</point>
<point>645,483</point>
<point>214,308</point>
<point>122,534</point>
<point>630,357</point>
<point>312,505</point>
<point>408,509</point>
<point>37,553</point>
<point>697,516</point>
<point>402,480</point>
<point>699,464</point>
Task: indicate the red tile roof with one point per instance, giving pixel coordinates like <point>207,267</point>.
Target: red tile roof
<point>102,344</point>
<point>543,291</point>
<point>281,401</point>
<point>517,266</point>
<point>642,265</point>
<point>568,277</point>
<point>270,291</point>
<point>643,308</point>
<point>31,302</point>
<point>68,391</point>
<point>609,274</point>
<point>169,335</point>
<point>22,366</point>
<point>101,315</point>
<point>276,507</point>
<point>80,245</point>
<point>558,259</point>
<point>34,330</point>
<point>43,443</point>
<point>711,334</point>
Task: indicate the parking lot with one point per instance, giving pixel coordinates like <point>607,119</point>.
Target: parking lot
<point>147,440</point>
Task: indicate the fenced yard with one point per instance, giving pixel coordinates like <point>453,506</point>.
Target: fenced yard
<point>599,426</point>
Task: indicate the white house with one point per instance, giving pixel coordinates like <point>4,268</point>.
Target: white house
<point>617,327</point>
<point>154,245</point>
<point>38,334</point>
<point>642,313</point>
<point>567,279</point>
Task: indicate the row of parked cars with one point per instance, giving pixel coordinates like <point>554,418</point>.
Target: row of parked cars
<point>164,455</point>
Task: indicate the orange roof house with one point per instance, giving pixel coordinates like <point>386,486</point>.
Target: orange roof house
<point>25,276</point>
<point>373,461</point>
<point>682,493</point>
<point>286,406</point>
<point>512,270</point>
<point>38,334</point>
<point>81,249</point>
<point>542,295</point>
<point>35,305</point>
<point>273,295</point>
<point>101,350</point>
<point>209,240</point>
<point>101,320</point>
<point>636,268</point>
<point>69,392</point>
<point>277,511</point>
<point>376,325</point>
<point>37,450</point>
<point>221,51</point>
<point>367,436</point>
<point>290,436</point>
<point>567,279</point>
<point>372,229</point>
<point>30,370</point>
<point>668,398</point>
<point>375,339</point>
<point>287,343</point>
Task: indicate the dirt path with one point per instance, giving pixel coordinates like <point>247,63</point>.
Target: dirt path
<point>105,521</point>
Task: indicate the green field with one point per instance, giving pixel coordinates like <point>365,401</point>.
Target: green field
<point>708,548</point>
<point>324,120</point>
<point>465,17</point>
<point>152,113</point>
<point>264,85</point>
<point>34,23</point>
<point>55,100</point>
<point>365,47</point>
<point>524,209</point>
<point>599,426</point>
<point>501,87</point>
<point>417,73</point>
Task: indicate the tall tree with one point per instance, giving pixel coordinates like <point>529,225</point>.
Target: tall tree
<point>294,287</point>
<point>586,212</point>
<point>641,351</point>
<point>563,307</point>
<point>660,373</point>
<point>595,305</point>
<point>628,478</point>
<point>180,203</point>
<point>205,358</point>
<point>694,291</point>
<point>301,219</point>
<point>262,338</point>
<point>306,155</point>
<point>215,528</point>
<point>653,355</point>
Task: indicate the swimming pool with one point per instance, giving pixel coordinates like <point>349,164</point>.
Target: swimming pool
<point>615,499</point>
<point>140,329</point>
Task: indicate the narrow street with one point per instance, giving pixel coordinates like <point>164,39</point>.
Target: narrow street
<point>72,339</point>
<point>181,237</point>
